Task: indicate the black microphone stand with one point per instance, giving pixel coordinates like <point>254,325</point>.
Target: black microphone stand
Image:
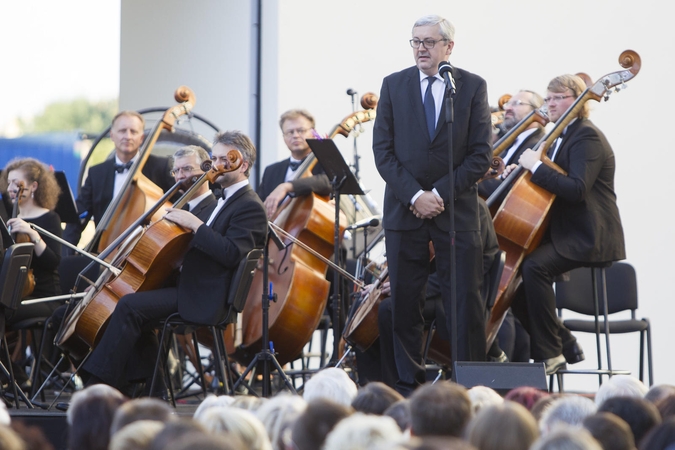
<point>266,354</point>
<point>449,119</point>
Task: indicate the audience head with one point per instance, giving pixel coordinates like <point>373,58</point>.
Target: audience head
<point>5,418</point>
<point>32,436</point>
<point>146,408</point>
<point>640,415</point>
<point>136,435</point>
<point>661,437</point>
<point>620,386</point>
<point>10,440</point>
<point>205,441</point>
<point>400,412</point>
<point>331,383</point>
<point>312,426</point>
<point>248,402</point>
<point>483,396</point>
<point>238,422</point>
<point>433,443</point>
<point>374,398</point>
<point>567,438</point>
<point>666,406</point>
<point>278,414</point>
<point>543,404</point>
<point>439,409</point>
<point>508,426</point>
<point>567,410</point>
<point>212,400</point>
<point>95,390</point>
<point>526,396</point>
<point>611,432</point>
<point>363,431</point>
<point>90,417</point>
<point>659,392</point>
<point>175,430</point>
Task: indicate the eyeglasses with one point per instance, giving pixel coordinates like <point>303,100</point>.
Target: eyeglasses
<point>300,131</point>
<point>428,43</point>
<point>187,170</point>
<point>557,98</point>
<point>514,103</point>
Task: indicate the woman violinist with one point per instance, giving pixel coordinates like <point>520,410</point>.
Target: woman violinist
<point>39,193</point>
<point>36,206</point>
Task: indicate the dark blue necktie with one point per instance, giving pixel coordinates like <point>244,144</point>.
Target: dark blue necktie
<point>430,108</point>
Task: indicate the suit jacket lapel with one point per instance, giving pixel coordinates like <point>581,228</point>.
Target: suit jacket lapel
<point>231,200</point>
<point>416,103</point>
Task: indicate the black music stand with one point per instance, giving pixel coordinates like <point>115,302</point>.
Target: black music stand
<point>343,181</point>
<point>65,207</point>
<point>266,355</point>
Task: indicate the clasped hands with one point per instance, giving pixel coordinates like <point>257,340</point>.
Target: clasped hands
<point>427,206</point>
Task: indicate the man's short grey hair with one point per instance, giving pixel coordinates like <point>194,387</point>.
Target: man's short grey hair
<point>566,411</point>
<point>190,150</point>
<point>446,28</point>
<point>620,386</point>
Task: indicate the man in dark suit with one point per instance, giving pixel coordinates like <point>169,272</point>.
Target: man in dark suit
<point>516,109</point>
<point>410,143</point>
<point>106,179</point>
<point>236,225</point>
<point>585,226</point>
<point>283,178</point>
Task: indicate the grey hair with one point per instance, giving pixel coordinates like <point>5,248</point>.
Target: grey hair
<point>446,28</point>
<point>189,150</point>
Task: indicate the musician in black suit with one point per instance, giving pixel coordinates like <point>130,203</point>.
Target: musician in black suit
<point>106,179</point>
<point>237,224</point>
<point>411,153</point>
<point>516,109</point>
<point>282,179</point>
<point>585,226</point>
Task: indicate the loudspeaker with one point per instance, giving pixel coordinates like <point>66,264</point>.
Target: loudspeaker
<point>502,377</point>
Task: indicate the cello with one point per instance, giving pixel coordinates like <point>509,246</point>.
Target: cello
<point>139,194</point>
<point>522,218</point>
<point>147,257</point>
<point>298,275</point>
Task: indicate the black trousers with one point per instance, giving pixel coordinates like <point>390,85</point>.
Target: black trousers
<point>128,347</point>
<point>408,260</point>
<point>534,304</point>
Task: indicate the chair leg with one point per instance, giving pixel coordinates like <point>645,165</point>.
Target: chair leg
<point>603,281</point>
<point>649,353</point>
<point>162,354</point>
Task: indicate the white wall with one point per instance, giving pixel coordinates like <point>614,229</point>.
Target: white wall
<point>314,51</point>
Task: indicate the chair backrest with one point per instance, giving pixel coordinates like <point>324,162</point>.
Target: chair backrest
<point>577,293</point>
<point>495,276</point>
<point>15,265</point>
<point>242,279</point>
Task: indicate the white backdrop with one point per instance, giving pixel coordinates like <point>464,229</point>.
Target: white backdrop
<point>314,51</point>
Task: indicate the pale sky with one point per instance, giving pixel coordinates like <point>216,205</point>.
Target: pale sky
<point>57,51</point>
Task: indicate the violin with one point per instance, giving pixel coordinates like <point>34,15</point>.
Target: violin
<point>29,285</point>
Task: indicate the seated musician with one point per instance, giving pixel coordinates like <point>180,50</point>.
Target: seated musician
<point>282,179</point>
<point>107,178</point>
<point>516,109</point>
<point>35,206</point>
<point>237,224</point>
<point>584,228</point>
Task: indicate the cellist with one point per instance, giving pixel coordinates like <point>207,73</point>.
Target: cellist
<point>237,224</point>
<point>107,178</point>
<point>585,226</point>
<point>279,179</point>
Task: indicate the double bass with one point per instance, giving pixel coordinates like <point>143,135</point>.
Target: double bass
<point>139,194</point>
<point>147,256</point>
<point>522,218</point>
<point>298,276</point>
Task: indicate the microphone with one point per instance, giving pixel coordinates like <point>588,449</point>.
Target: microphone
<point>445,70</point>
<point>351,92</point>
<point>370,222</point>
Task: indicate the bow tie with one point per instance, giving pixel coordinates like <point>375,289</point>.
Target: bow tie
<point>220,194</point>
<point>294,165</point>
<point>120,168</point>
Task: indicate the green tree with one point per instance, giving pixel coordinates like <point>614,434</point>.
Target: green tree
<point>79,114</point>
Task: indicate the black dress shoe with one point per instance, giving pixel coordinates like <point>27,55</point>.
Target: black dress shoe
<point>573,352</point>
